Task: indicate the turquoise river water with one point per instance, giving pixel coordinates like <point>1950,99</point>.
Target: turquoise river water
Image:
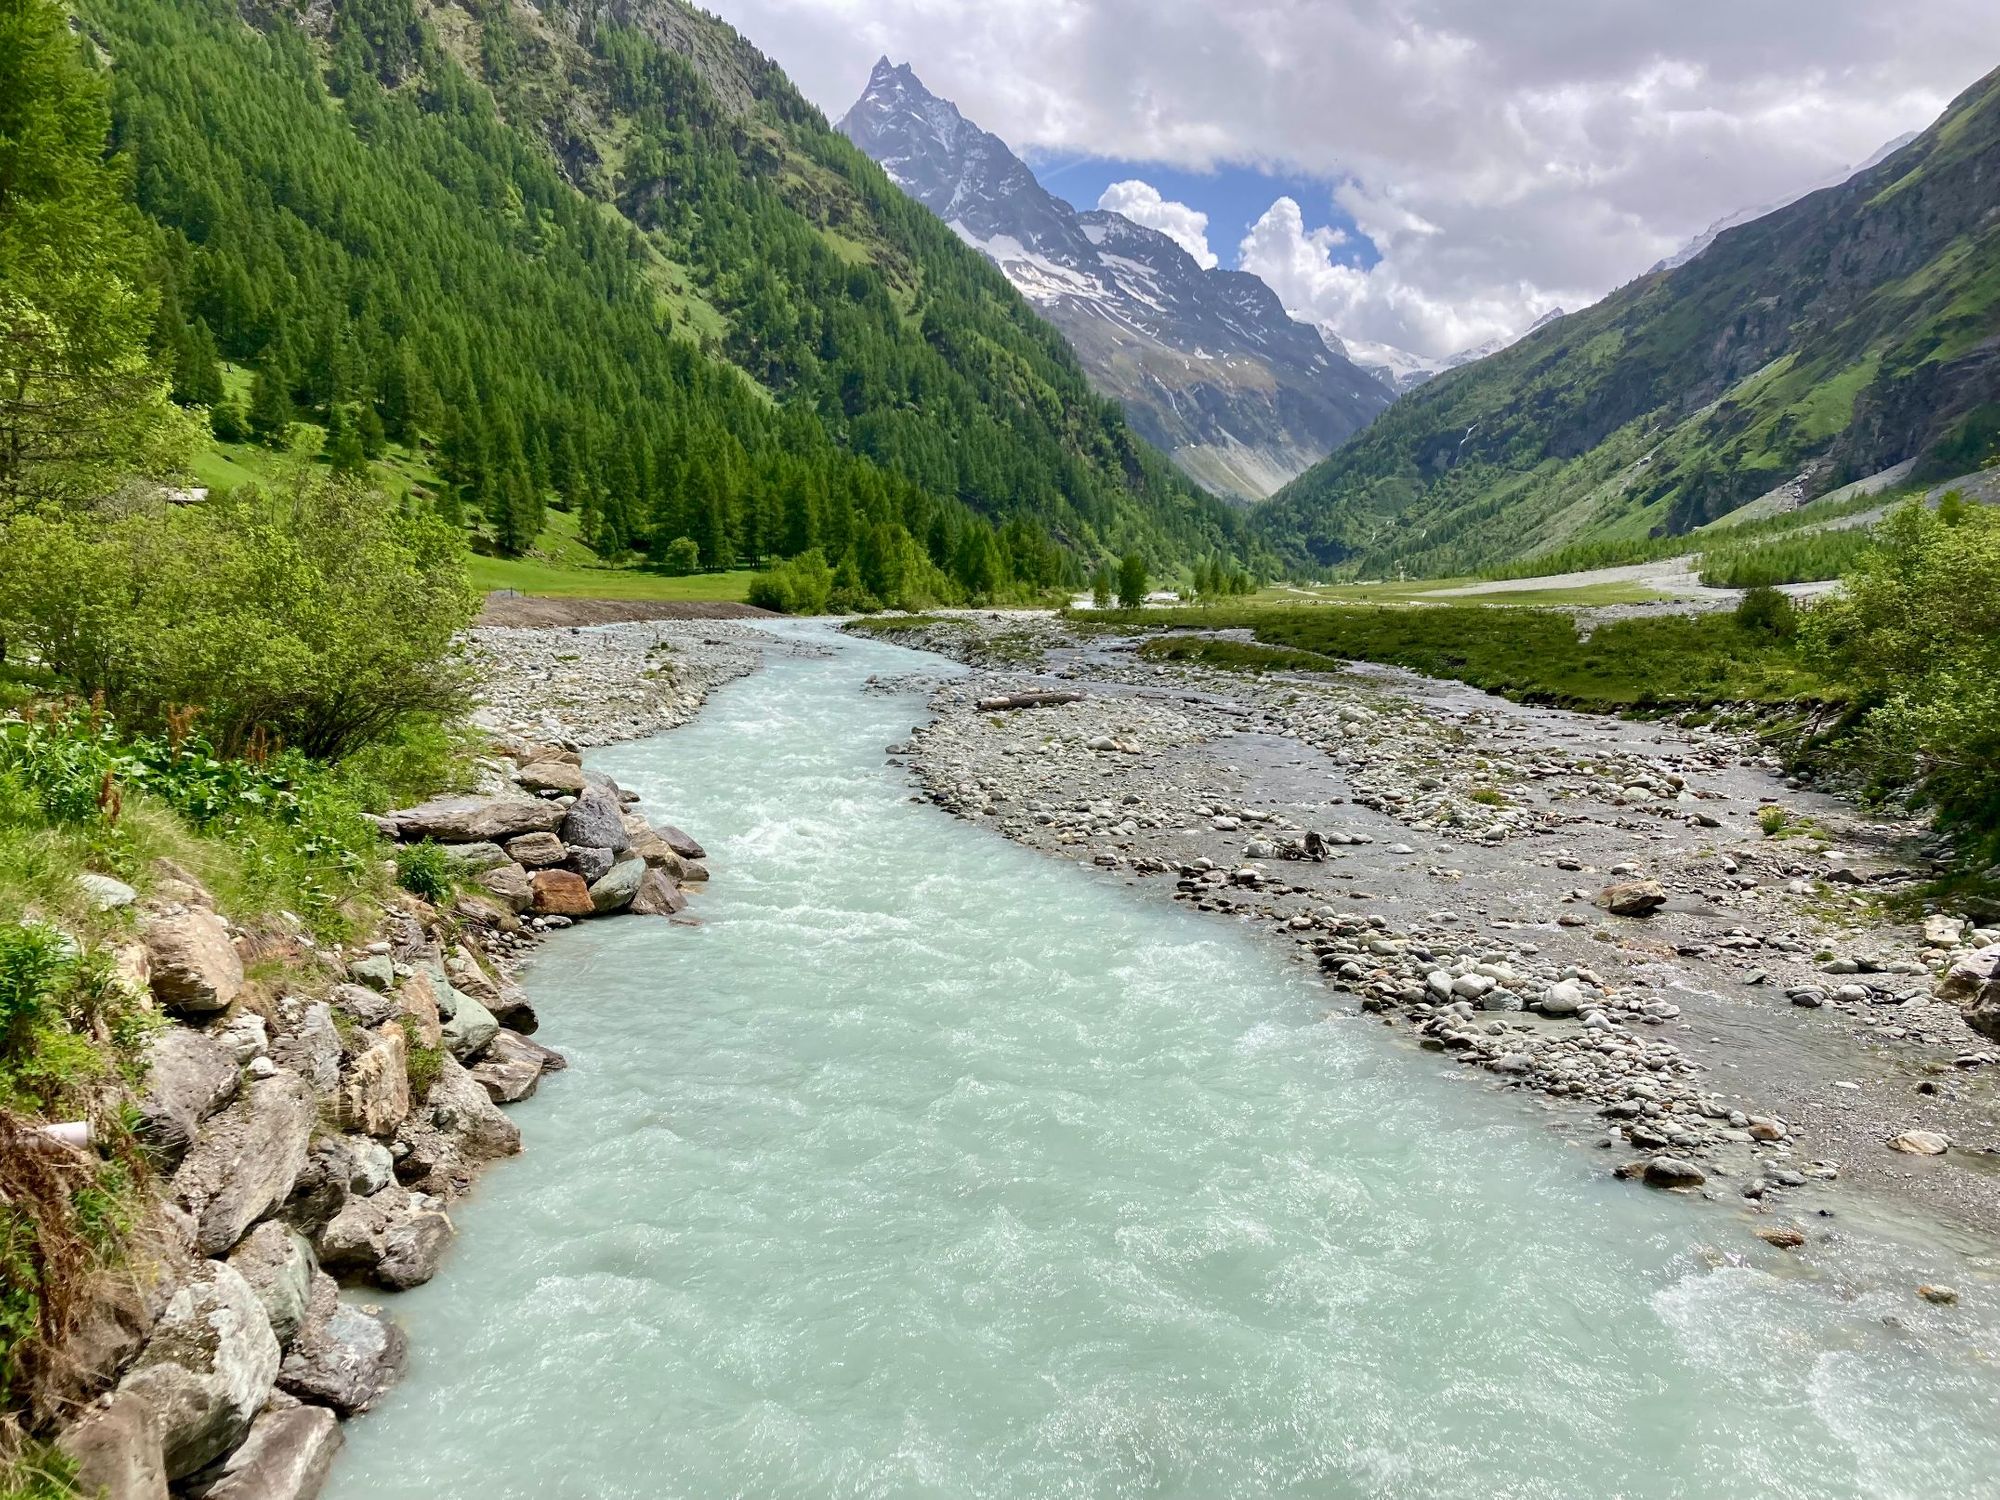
<point>929,1166</point>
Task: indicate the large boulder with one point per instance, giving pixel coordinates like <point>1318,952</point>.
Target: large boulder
<point>470,1028</point>
<point>470,859</point>
<point>562,893</point>
<point>307,1042</point>
<point>373,1096</point>
<point>189,1076</point>
<point>394,1237</point>
<point>288,1455</point>
<point>537,851</point>
<point>1982,1011</point>
<point>615,891</point>
<point>422,1007</point>
<point>658,896</point>
<point>510,885</point>
<point>1633,898</point>
<point>117,1450</point>
<point>681,843</point>
<point>207,1369</point>
<point>346,1354</point>
<point>472,820</point>
<point>592,863</point>
<point>596,820</point>
<point>277,1263</point>
<point>194,963</point>
<point>551,776</point>
<point>457,1130</point>
<point>513,1067</point>
<point>247,1160</point>
<point>1969,974</point>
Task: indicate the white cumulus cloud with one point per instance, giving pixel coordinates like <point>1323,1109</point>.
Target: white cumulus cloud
<point>1516,155</point>
<point>1142,204</point>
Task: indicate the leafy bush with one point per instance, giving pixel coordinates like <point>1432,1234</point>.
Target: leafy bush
<point>297,837</point>
<point>681,557</point>
<point>321,615</point>
<point>801,586</point>
<point>1764,608</point>
<point>1773,820</point>
<point>1916,629</point>
<point>425,870</point>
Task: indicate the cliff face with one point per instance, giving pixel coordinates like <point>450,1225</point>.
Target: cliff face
<point>1840,335</point>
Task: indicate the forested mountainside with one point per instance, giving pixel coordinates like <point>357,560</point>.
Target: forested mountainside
<point>1842,334</point>
<point>1206,363</point>
<point>603,255</point>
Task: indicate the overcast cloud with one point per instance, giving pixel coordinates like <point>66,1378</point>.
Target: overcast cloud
<point>1503,156</point>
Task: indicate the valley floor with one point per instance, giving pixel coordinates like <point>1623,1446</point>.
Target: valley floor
<point>1767,1029</point>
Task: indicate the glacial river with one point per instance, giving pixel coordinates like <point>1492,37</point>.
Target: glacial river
<point>931,1167</point>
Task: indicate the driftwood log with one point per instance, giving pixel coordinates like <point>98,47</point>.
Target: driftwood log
<point>1029,700</point>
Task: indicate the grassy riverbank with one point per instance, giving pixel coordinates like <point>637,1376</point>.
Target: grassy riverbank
<point>1639,665</point>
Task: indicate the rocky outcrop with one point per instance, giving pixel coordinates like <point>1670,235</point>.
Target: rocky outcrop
<point>466,820</point>
<point>247,1160</point>
<point>346,1355</point>
<point>117,1450</point>
<point>207,1368</point>
<point>456,1131</point>
<point>288,1455</point>
<point>276,1263</point>
<point>373,1095</point>
<point>189,1076</point>
<point>393,1237</point>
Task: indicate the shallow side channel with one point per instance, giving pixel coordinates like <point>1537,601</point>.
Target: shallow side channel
<point>929,1166</point>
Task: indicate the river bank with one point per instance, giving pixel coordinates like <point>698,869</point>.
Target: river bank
<point>1764,1036</point>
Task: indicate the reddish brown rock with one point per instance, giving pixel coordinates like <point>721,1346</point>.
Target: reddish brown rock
<point>561,893</point>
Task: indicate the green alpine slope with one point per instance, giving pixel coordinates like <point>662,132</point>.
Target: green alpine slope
<point>603,256</point>
<point>1834,338</point>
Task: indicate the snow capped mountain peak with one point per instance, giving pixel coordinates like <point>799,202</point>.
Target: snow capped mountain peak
<point>1207,363</point>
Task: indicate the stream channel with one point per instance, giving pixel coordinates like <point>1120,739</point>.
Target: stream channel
<point>930,1166</point>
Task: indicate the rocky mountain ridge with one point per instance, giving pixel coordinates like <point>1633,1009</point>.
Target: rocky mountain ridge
<point>1206,363</point>
<point>1854,330</point>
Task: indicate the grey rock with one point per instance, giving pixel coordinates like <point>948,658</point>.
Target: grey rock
<point>510,884</point>
<point>658,896</point>
<point>207,1368</point>
<point>189,1076</point>
<point>308,1042</point>
<point>194,963</point>
<point>513,1067</point>
<point>346,1354</point>
<point>473,858</point>
<point>1633,898</point>
<point>246,1160</point>
<point>456,1132</point>
<point>593,864</point>
<point>596,821</point>
<point>278,1264</point>
<point>391,1237</point>
<point>117,1450</point>
<point>287,1456</point>
<point>105,893</point>
<point>362,1004</point>
<point>1673,1172</point>
<point>551,776</point>
<point>376,970</point>
<point>471,820</point>
<point>614,891</point>
<point>372,1166</point>
<point>537,851</point>
<point>470,1028</point>
<point>681,843</point>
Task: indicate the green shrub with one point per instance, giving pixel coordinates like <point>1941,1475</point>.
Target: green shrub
<point>425,870</point>
<point>1764,608</point>
<point>321,615</point>
<point>1806,558</point>
<point>681,557</point>
<point>1773,819</point>
<point>421,1064</point>
<point>800,586</point>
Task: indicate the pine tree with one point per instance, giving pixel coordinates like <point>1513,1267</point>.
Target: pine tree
<point>271,413</point>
